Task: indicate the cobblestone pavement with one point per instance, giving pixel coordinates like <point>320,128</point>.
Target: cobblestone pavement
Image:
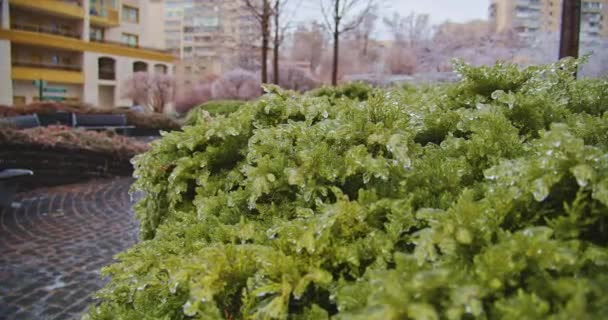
<point>53,246</point>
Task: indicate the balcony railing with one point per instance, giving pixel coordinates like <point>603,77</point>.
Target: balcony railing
<point>64,8</point>
<point>45,29</point>
<point>122,44</point>
<point>108,15</point>
<point>73,2</point>
<point>42,65</point>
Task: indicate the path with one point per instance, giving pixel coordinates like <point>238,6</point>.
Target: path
<point>52,248</point>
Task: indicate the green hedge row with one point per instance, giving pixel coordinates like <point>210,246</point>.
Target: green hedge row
<point>485,199</point>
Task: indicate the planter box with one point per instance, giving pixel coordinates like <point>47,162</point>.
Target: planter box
<point>58,166</point>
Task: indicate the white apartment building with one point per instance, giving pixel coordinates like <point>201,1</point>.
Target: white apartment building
<point>530,17</point>
<point>82,50</point>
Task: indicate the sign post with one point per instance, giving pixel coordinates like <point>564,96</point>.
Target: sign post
<point>40,84</point>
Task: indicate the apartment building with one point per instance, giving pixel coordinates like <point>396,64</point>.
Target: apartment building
<point>530,17</point>
<point>209,36</point>
<point>78,50</point>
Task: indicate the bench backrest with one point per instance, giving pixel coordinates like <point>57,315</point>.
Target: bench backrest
<point>99,120</point>
<point>58,118</point>
<point>23,122</point>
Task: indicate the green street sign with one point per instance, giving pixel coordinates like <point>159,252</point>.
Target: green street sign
<point>37,83</point>
<point>55,90</point>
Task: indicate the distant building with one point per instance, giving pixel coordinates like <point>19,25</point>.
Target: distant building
<point>474,28</point>
<point>209,36</point>
<point>79,50</point>
<point>530,17</point>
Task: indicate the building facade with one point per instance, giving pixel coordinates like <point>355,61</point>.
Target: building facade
<point>209,37</point>
<point>78,50</point>
<point>530,17</point>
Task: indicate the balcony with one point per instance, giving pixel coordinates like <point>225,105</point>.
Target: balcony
<point>40,65</point>
<point>28,70</point>
<point>46,29</point>
<point>104,16</point>
<point>61,8</point>
<point>69,41</point>
<point>122,44</point>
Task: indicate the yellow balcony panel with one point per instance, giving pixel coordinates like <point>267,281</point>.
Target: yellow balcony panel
<point>54,7</point>
<point>60,42</point>
<point>104,17</point>
<point>51,75</point>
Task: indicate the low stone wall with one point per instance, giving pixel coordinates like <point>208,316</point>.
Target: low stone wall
<point>58,166</point>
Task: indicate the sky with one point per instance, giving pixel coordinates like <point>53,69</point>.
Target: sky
<point>439,10</point>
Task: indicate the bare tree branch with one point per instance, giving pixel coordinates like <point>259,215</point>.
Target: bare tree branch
<point>335,13</point>
<point>326,16</point>
<point>263,15</point>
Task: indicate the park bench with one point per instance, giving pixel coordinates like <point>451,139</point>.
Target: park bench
<point>116,122</point>
<point>22,122</point>
<point>9,182</point>
<point>57,118</point>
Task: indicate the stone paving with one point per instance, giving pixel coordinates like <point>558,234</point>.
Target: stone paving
<point>53,246</point>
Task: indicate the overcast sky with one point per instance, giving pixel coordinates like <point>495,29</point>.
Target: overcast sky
<point>439,10</point>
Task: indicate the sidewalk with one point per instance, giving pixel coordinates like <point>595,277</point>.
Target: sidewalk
<point>52,248</point>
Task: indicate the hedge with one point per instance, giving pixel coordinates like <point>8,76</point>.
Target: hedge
<point>482,199</point>
<point>62,155</point>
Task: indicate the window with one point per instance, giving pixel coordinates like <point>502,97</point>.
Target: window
<point>96,34</point>
<point>130,39</point>
<point>130,14</point>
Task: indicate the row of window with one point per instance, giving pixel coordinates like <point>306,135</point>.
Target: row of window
<point>593,5</point>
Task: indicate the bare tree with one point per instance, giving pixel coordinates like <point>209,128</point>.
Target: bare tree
<point>309,45</point>
<point>236,84</point>
<point>342,16</point>
<point>409,30</point>
<point>262,10</point>
<point>571,25</point>
<point>365,30</point>
<point>279,35</point>
<point>154,91</point>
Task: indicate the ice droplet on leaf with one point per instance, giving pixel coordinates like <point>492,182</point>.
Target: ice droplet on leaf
<point>540,190</point>
<point>583,174</point>
<point>189,309</point>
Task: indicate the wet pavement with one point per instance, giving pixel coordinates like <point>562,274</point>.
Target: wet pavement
<point>53,247</point>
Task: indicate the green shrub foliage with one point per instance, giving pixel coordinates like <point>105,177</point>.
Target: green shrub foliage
<point>354,90</point>
<point>213,108</point>
<point>486,199</point>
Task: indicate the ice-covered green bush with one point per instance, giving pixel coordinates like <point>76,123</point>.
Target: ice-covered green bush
<point>486,199</point>
<point>214,108</point>
<point>354,90</point>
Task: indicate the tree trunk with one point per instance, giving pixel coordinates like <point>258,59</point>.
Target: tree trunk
<point>334,73</point>
<point>265,35</point>
<point>570,33</point>
<point>277,42</point>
